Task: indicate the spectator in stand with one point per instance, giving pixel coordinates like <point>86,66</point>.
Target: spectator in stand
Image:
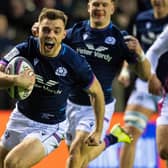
<point>5,45</point>
<point>20,19</point>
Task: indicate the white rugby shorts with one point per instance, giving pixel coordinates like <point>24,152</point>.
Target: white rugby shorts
<point>144,99</point>
<point>82,118</point>
<point>20,127</point>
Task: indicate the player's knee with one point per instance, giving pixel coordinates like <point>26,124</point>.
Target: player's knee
<point>133,131</point>
<point>135,123</point>
<point>74,158</point>
<point>75,153</point>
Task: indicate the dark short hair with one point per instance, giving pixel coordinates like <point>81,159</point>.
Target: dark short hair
<point>52,14</point>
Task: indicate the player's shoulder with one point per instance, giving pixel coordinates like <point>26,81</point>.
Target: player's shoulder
<point>77,28</point>
<point>148,14</point>
<point>79,25</point>
<point>69,54</point>
<point>115,28</point>
<point>115,31</point>
<point>30,40</point>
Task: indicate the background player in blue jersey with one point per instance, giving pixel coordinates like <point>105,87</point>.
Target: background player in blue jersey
<point>141,105</point>
<point>101,42</point>
<point>36,126</point>
<point>158,56</point>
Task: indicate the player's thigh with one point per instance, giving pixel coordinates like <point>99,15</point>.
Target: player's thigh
<point>162,137</point>
<point>142,102</point>
<point>27,153</point>
<point>3,152</point>
<point>139,109</point>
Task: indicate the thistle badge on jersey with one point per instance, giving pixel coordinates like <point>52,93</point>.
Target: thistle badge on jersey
<point>61,71</point>
<point>110,40</point>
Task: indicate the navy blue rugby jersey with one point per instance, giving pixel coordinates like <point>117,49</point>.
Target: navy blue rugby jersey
<point>55,78</point>
<point>147,28</point>
<point>105,51</point>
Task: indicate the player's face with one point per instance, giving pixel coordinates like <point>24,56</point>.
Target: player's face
<point>100,12</point>
<point>51,33</point>
<point>160,5</point>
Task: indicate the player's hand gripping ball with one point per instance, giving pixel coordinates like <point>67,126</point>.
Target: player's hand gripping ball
<point>17,66</point>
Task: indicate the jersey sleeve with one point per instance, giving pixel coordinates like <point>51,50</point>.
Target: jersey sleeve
<point>20,49</point>
<point>84,75</point>
<point>159,47</point>
<point>129,56</point>
<point>11,54</point>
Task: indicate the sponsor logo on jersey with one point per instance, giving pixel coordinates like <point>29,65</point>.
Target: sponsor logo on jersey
<point>47,116</point>
<point>61,71</point>
<point>49,85</point>
<point>99,49</point>
<point>148,38</point>
<point>110,40</point>
<point>95,51</point>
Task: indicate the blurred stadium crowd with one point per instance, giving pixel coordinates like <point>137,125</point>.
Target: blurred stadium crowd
<point>18,16</point>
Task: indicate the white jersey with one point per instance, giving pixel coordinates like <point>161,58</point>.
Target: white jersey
<point>82,118</point>
<point>159,47</point>
<point>153,54</point>
<point>141,85</point>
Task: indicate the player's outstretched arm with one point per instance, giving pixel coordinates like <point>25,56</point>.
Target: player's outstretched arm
<point>25,79</point>
<point>143,66</point>
<point>124,75</point>
<point>97,100</point>
<point>155,85</point>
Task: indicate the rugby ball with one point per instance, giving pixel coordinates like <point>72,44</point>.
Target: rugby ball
<point>16,66</point>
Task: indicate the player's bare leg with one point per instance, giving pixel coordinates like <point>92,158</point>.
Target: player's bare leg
<point>3,153</point>
<point>77,149</point>
<point>161,138</point>
<point>128,150</point>
<point>29,152</point>
<point>81,154</point>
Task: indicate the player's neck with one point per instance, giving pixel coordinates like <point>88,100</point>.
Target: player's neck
<point>94,25</point>
<point>160,14</point>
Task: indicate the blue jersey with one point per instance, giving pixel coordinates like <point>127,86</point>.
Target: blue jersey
<point>147,28</point>
<point>104,49</point>
<point>55,78</point>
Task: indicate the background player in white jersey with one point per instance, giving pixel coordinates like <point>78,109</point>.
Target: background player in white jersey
<point>158,56</point>
<point>141,105</point>
<point>36,125</point>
